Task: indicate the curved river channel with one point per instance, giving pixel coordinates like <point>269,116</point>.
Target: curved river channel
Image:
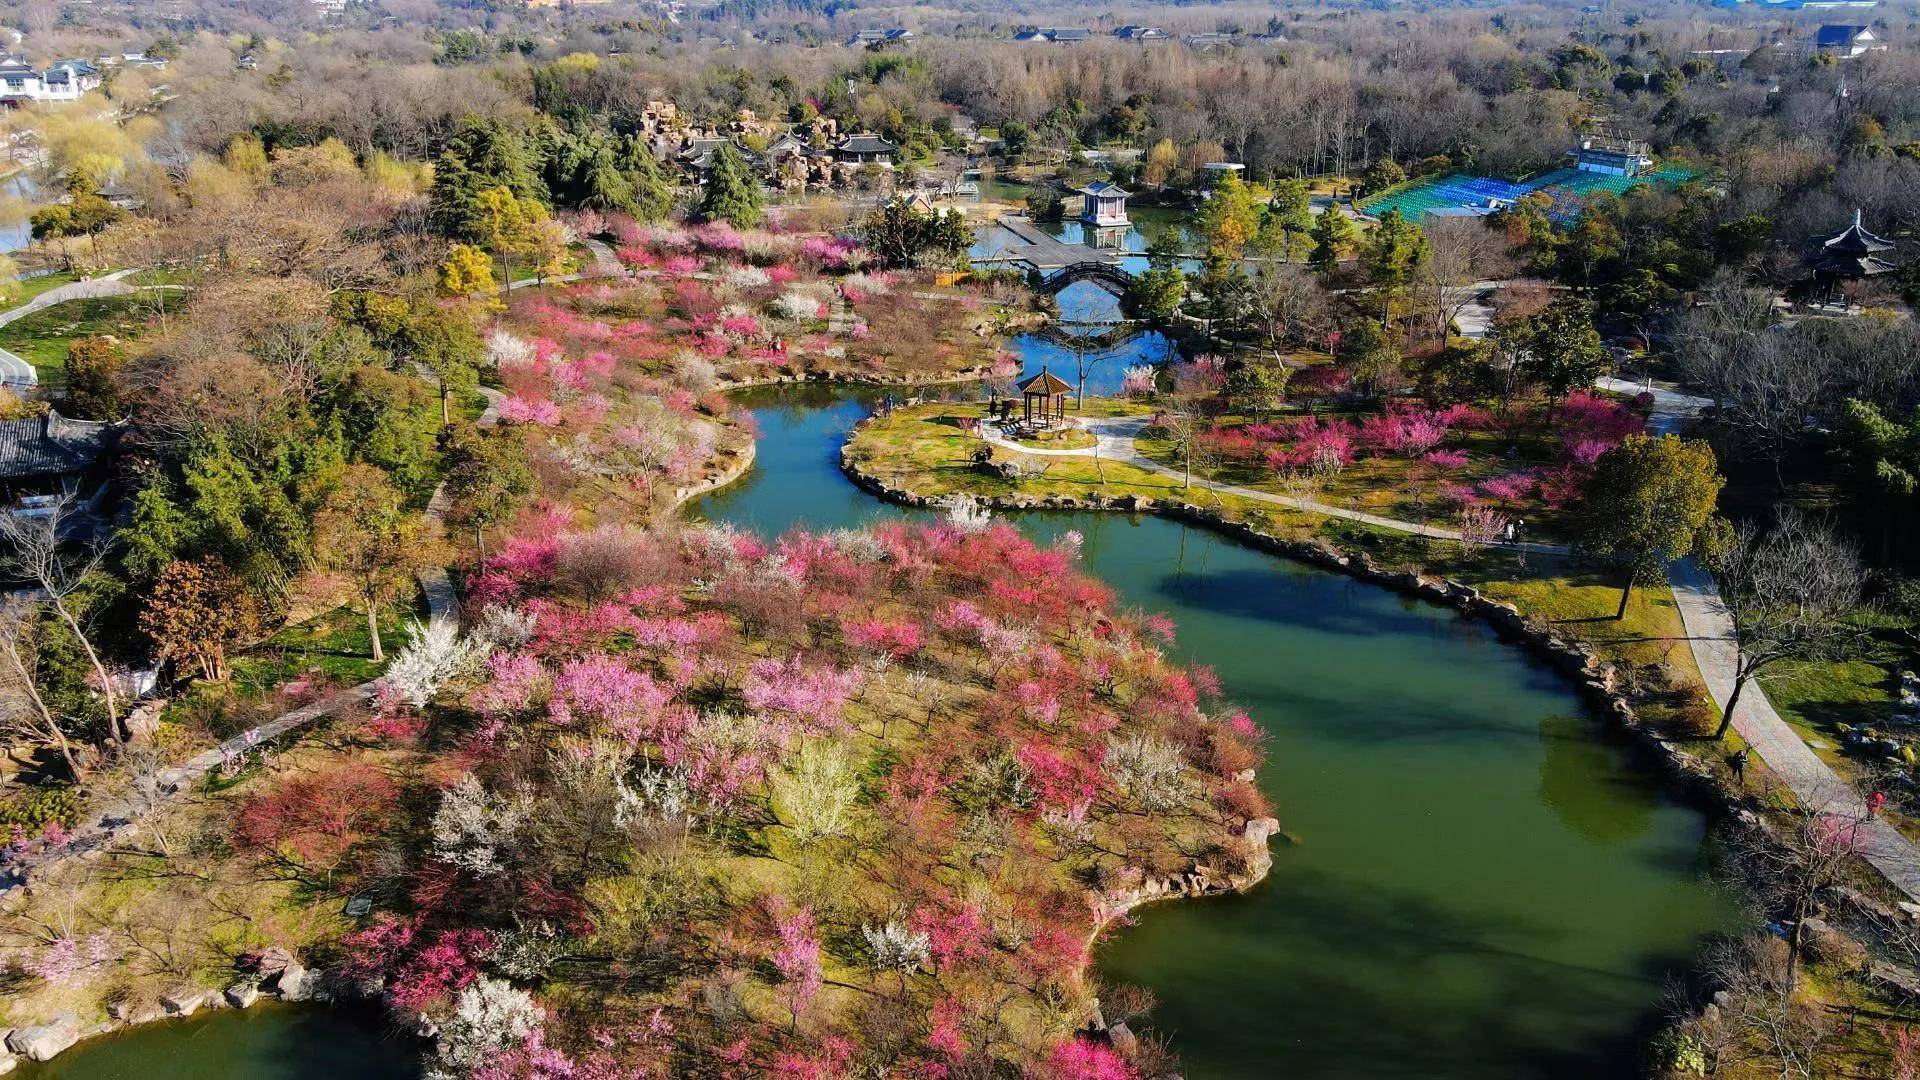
<point>1484,881</point>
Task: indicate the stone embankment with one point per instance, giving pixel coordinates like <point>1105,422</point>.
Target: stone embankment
<point>276,972</point>
<point>978,373</point>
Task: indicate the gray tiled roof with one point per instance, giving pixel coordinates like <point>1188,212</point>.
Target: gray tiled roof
<point>866,144</point>
<point>52,444</point>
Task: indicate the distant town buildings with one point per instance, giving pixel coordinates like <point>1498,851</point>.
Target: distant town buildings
<point>1054,35</point>
<point>897,35</point>
<point>1133,32</point>
<point>1846,42</point>
<point>134,60</point>
<point>1207,42</point>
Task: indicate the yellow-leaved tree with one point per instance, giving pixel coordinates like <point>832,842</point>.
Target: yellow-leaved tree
<point>467,271</point>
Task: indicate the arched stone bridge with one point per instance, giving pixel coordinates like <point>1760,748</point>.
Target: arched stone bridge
<point>1104,274</point>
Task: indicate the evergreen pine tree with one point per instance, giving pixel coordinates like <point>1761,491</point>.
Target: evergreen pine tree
<point>730,192</point>
<point>1333,238</point>
<point>652,189</point>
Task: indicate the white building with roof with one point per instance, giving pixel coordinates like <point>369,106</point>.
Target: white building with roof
<point>1103,205</point>
<point>62,80</point>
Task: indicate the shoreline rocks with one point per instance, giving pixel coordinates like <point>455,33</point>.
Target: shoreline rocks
<point>42,1042</point>
<point>276,971</point>
<point>183,1002</point>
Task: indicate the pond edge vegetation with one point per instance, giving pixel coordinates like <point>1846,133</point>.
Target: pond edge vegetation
<point>1577,661</point>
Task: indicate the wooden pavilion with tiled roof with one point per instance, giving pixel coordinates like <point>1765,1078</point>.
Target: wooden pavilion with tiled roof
<point>1852,254</point>
<point>1050,391</point>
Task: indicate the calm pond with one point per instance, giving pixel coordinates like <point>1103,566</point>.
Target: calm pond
<point>267,1042</point>
<point>1484,882</point>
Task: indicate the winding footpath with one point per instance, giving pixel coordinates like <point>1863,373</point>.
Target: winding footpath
<point>1709,627</point>
<point>1113,440</point>
<point>1710,635</point>
<point>15,371</point>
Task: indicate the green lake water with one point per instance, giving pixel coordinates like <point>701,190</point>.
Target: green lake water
<point>1483,881</point>
<point>267,1042</point>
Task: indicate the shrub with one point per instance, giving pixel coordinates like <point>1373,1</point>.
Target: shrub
<point>316,819</point>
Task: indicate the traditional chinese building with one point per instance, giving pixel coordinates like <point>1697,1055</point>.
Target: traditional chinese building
<point>865,149</point>
<point>1850,255</point>
<point>1103,205</point>
<point>1044,399</point>
<point>51,455</point>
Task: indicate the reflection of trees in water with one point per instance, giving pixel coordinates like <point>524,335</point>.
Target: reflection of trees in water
<point>1589,785</point>
<point>1083,302</point>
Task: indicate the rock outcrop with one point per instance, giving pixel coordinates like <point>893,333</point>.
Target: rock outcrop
<point>43,1041</point>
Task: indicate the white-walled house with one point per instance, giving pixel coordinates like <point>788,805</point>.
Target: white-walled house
<point>1847,42</point>
<point>63,80</point>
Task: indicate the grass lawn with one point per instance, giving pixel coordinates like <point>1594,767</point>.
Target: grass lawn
<point>333,644</point>
<point>41,338</point>
<point>34,287</point>
<point>1396,486</point>
<point>1817,698</point>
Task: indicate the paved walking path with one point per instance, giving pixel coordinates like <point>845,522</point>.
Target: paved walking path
<point>1671,408</point>
<point>1710,634</point>
<point>1114,442</point>
<point>1813,782</point>
<point>15,371</point>
<point>604,260</point>
<point>605,264</point>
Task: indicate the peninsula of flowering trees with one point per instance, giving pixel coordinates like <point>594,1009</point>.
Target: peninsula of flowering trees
<point>715,307</point>
<point>691,802</point>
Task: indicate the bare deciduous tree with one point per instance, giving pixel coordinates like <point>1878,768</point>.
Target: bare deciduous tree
<point>25,715</point>
<point>1461,251</point>
<point>55,552</point>
<point>1786,868</point>
<point>1793,593</point>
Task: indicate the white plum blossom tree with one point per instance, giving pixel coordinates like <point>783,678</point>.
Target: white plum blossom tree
<point>436,655</point>
<point>489,1016</point>
<point>472,826</point>
<point>1149,769</point>
<point>896,947</point>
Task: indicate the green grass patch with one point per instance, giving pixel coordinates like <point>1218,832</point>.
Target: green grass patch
<point>33,288</point>
<point>333,644</point>
<point>162,275</point>
<point>41,339</point>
